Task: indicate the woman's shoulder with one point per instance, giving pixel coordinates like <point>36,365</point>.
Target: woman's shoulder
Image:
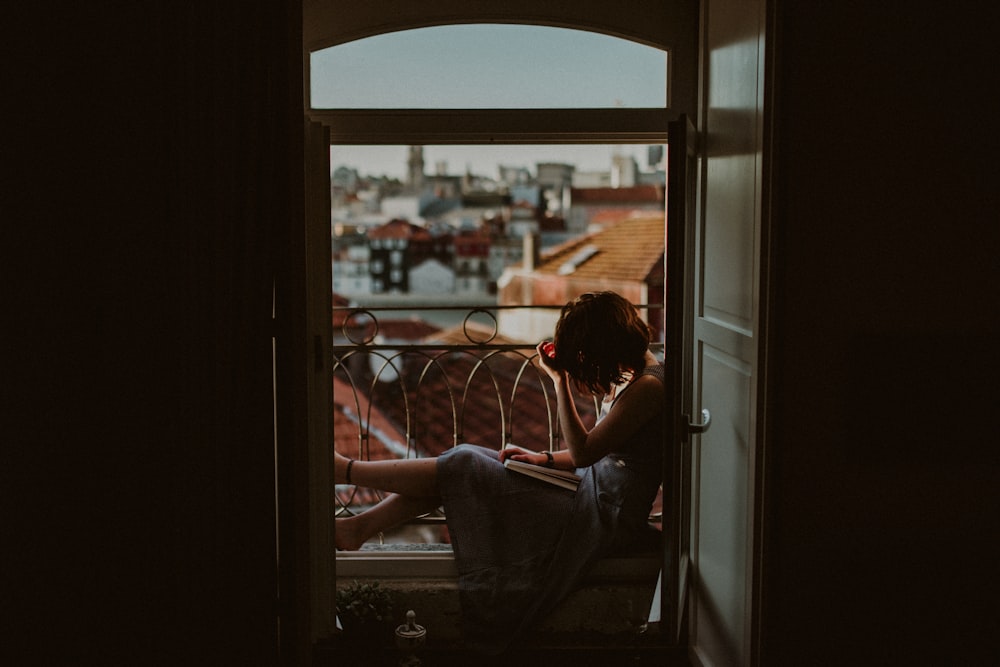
<point>649,385</point>
<point>657,370</point>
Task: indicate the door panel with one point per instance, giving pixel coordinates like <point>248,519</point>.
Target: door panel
<point>319,343</point>
<point>727,336</point>
<point>729,242</point>
<point>724,372</point>
<point>722,464</point>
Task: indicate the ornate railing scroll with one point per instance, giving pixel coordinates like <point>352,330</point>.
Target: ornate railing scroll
<point>415,394</point>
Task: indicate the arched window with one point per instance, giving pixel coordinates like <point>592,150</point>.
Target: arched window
<point>538,87</point>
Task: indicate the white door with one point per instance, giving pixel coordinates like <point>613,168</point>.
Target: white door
<point>726,337</point>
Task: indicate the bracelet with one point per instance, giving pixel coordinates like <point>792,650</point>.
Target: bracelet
<point>550,462</point>
<point>350,462</point>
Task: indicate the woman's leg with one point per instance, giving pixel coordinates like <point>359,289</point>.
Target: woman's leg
<point>410,477</point>
<point>412,484</point>
<point>351,532</point>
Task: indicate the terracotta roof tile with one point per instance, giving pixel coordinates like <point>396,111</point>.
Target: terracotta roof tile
<point>406,329</point>
<point>399,229</point>
<point>612,215</point>
<point>339,301</point>
<point>638,193</point>
<point>362,329</point>
<point>353,415</point>
<point>471,333</point>
<point>627,251</point>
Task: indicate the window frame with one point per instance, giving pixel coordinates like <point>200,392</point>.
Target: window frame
<point>411,127</point>
<point>676,28</point>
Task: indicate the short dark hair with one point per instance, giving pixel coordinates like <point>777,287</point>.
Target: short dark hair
<point>600,340</point>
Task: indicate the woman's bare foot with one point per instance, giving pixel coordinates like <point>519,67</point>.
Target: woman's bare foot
<point>347,533</point>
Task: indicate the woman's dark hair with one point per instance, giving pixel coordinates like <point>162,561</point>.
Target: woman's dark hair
<point>600,340</point>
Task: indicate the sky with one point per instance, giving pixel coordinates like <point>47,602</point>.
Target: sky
<point>486,66</point>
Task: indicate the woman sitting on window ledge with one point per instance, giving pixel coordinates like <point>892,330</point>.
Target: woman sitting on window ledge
<point>521,545</point>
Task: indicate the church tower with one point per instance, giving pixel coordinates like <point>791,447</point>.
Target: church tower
<point>415,168</point>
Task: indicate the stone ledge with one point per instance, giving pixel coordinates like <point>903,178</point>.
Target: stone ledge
<point>598,615</point>
<point>609,608</point>
<point>436,561</point>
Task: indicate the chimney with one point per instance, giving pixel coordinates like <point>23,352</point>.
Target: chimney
<point>530,251</point>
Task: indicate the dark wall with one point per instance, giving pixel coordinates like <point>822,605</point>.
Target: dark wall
<point>881,506</point>
<point>148,161</point>
<point>148,165</point>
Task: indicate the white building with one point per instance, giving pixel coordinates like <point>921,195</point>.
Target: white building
<point>432,277</point>
<point>351,275</point>
<point>404,207</point>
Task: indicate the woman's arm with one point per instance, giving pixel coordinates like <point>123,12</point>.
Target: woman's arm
<point>643,400</point>
<point>560,459</point>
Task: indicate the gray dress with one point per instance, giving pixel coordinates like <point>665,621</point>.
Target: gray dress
<point>521,545</point>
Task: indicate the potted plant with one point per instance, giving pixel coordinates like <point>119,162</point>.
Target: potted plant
<point>365,613</point>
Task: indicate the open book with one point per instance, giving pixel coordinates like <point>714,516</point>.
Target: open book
<point>567,479</point>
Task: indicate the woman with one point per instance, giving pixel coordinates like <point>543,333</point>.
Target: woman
<point>521,545</point>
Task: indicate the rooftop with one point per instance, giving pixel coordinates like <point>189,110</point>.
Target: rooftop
<point>399,229</point>
<point>629,250</point>
<point>637,193</point>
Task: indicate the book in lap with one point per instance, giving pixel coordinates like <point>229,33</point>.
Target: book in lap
<point>567,479</point>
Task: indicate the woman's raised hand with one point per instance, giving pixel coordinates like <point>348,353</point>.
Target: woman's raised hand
<point>547,360</point>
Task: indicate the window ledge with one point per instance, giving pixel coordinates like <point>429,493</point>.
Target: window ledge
<point>437,562</point>
<point>612,603</point>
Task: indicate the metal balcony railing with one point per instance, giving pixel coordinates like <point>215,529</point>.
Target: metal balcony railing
<point>416,393</point>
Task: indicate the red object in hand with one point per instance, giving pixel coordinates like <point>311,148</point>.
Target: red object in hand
<point>549,348</point>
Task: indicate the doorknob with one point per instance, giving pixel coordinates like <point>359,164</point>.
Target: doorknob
<point>706,421</point>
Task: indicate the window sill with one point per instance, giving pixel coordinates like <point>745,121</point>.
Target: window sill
<point>611,605</point>
<point>437,562</point>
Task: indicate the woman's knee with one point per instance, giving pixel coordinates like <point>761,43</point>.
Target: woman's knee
<point>466,455</point>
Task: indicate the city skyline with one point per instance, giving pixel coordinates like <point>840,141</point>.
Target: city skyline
<point>482,160</point>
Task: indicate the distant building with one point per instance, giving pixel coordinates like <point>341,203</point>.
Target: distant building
<point>592,179</point>
<point>351,259</point>
<point>526,213</point>
<point>472,267</point>
<point>343,185</point>
<point>415,169</point>
<point>514,176</point>
<point>405,206</point>
<point>397,247</point>
<point>435,210</point>
<point>480,208</point>
<point>432,277</point>
<point>624,171</point>
<point>612,205</point>
<point>555,180</point>
<point>505,252</point>
<point>554,174</point>
<point>471,226</point>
